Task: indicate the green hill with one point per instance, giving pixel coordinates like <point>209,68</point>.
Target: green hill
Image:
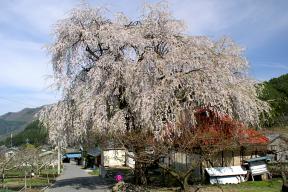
<point>16,122</point>
<point>34,133</point>
<point>276,93</point>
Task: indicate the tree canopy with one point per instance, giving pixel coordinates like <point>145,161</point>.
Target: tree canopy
<point>124,75</point>
<point>276,93</point>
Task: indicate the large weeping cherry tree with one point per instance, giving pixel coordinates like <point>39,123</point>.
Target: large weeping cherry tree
<point>120,76</point>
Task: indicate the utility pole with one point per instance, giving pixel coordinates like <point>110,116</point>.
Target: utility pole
<point>59,158</point>
<point>11,143</point>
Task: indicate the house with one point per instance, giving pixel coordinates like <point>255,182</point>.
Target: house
<point>226,166</point>
<point>107,157</point>
<point>278,147</point>
<point>253,144</point>
<point>10,152</point>
<point>3,149</point>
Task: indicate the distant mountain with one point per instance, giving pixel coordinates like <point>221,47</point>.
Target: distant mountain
<point>15,122</point>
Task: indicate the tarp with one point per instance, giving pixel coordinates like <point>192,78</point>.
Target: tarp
<point>226,175</point>
<point>72,155</point>
<point>227,180</point>
<point>226,171</point>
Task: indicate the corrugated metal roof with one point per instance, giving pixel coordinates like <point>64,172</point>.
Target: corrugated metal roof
<point>226,175</point>
<point>227,180</point>
<point>225,171</point>
<point>46,153</point>
<point>264,158</point>
<point>94,151</point>
<point>72,155</point>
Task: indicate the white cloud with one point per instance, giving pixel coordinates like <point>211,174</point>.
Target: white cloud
<point>39,15</point>
<point>23,64</point>
<point>250,22</point>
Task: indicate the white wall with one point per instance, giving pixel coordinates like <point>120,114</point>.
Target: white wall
<point>130,161</point>
<point>113,158</point>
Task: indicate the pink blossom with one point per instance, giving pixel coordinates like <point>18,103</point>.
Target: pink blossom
<point>119,178</point>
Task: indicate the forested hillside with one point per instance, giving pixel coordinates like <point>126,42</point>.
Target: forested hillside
<point>15,122</point>
<point>35,133</point>
<point>276,93</point>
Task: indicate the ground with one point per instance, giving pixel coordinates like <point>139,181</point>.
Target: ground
<point>76,179</point>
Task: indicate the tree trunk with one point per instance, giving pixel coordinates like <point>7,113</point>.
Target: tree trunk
<point>284,179</point>
<point>25,181</point>
<point>180,177</point>
<point>30,184</point>
<point>140,173</point>
<point>48,181</point>
<point>185,183</point>
<point>3,179</point>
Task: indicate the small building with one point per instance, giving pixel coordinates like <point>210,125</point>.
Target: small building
<point>3,149</point>
<point>278,148</point>
<point>10,152</point>
<point>93,157</point>
<point>107,157</point>
<point>252,145</point>
<point>257,167</point>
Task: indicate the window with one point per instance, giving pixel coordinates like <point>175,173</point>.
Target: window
<point>273,147</point>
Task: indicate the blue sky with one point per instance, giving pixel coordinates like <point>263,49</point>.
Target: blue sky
<point>261,26</point>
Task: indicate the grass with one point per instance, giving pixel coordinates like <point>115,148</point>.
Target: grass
<point>18,183</point>
<point>34,182</point>
<point>273,185</point>
<point>95,172</point>
<point>20,173</point>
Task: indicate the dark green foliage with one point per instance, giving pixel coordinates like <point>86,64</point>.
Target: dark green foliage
<point>34,133</point>
<point>9,126</point>
<point>276,93</point>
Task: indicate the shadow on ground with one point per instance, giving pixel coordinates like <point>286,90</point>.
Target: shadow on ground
<point>90,183</point>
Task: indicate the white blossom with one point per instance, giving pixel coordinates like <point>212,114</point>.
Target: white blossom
<point>121,75</point>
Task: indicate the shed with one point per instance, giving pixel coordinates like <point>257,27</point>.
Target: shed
<point>258,166</point>
<point>93,157</point>
<point>226,175</point>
